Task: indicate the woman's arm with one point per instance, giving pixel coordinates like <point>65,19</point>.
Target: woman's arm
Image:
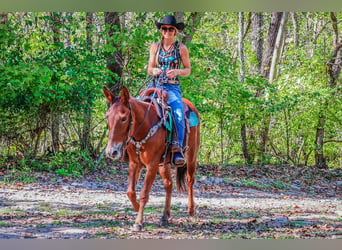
<point>184,54</point>
<point>151,69</point>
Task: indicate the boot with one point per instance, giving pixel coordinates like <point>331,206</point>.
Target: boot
<point>178,157</point>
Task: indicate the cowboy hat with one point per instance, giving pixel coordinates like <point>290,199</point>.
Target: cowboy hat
<point>170,20</point>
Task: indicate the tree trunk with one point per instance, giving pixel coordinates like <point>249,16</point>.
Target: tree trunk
<point>114,62</point>
<point>68,20</point>
<point>243,130</point>
<point>335,63</point>
<point>270,43</point>
<point>308,34</point>
<point>334,66</point>
<point>295,29</point>
<point>265,71</point>
<point>85,138</point>
<point>277,48</point>
<point>258,39</point>
<point>319,142</point>
<point>191,24</point>
<point>3,18</point>
<point>257,46</point>
<point>55,116</point>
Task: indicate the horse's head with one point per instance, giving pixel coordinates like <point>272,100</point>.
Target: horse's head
<point>118,117</point>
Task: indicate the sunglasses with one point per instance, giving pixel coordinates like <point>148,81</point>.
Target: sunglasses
<point>170,29</point>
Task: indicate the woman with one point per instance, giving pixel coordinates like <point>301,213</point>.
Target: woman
<point>164,64</point>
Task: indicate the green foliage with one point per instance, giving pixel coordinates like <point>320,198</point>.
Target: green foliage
<point>54,65</point>
<point>71,163</point>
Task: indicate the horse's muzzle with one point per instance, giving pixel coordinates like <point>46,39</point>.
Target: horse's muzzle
<point>114,152</point>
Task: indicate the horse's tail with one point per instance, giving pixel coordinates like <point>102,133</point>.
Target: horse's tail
<point>180,179</point>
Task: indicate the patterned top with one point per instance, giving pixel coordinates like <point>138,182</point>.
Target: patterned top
<point>168,60</point>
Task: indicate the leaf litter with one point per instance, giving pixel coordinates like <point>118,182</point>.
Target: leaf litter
<point>232,202</point>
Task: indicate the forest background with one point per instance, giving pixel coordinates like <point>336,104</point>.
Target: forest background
<point>267,85</point>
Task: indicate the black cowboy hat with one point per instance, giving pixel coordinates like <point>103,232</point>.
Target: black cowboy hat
<point>170,20</point>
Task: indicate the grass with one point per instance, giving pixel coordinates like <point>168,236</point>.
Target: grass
<point>279,185</point>
<point>175,208</point>
<point>44,206</point>
<point>108,212</point>
<point>102,206</point>
<point>58,222</point>
<point>150,227</point>
<point>12,211</point>
<point>235,213</point>
<point>152,210</point>
<point>63,212</point>
<point>14,176</point>
<point>5,224</point>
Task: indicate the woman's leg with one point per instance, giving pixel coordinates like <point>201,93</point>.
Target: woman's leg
<point>178,114</point>
<point>176,103</point>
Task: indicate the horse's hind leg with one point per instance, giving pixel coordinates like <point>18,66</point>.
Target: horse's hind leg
<point>194,143</point>
<point>190,181</point>
<point>165,172</point>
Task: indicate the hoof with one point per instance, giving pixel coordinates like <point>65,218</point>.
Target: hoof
<point>164,221</point>
<point>191,212</point>
<point>137,228</point>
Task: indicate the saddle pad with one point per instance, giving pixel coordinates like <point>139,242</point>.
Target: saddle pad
<point>191,115</point>
<point>193,119</point>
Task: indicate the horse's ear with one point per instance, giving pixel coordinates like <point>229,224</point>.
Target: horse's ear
<point>124,95</point>
<point>109,95</point>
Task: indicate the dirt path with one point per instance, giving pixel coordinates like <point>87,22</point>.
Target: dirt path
<point>227,207</point>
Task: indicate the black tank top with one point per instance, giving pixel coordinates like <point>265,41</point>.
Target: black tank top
<point>168,60</point>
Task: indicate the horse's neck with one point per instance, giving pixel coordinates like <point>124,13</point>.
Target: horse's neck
<point>144,116</point>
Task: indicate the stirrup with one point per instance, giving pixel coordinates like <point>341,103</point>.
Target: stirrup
<point>180,161</point>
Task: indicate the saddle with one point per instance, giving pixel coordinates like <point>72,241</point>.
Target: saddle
<point>159,99</point>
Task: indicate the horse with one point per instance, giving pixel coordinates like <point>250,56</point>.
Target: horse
<point>131,120</point>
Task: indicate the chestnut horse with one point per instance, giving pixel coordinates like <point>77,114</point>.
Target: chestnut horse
<point>129,118</point>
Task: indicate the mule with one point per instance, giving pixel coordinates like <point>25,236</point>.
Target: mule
<point>131,120</point>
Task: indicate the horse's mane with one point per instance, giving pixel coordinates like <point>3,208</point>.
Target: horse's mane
<point>146,106</point>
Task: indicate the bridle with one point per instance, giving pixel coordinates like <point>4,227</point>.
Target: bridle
<point>152,131</point>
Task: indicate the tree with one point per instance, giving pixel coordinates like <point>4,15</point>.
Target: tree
<point>53,66</point>
<point>276,18</point>
<point>258,39</point>
<point>3,18</point>
<point>295,29</point>
<point>55,116</point>
<point>115,61</point>
<point>334,66</point>
<point>85,138</point>
<point>191,24</point>
<point>243,131</point>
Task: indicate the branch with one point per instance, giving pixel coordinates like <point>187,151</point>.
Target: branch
<point>322,29</point>
<point>332,140</point>
<point>249,22</point>
<point>335,28</point>
<point>277,48</point>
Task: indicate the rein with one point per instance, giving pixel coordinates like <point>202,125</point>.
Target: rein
<point>152,131</point>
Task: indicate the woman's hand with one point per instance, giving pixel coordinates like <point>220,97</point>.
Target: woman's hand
<point>156,71</point>
<point>171,73</point>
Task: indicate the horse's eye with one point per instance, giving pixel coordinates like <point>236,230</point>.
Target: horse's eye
<point>123,119</point>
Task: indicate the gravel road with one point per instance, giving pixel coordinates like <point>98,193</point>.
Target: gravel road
<point>55,209</point>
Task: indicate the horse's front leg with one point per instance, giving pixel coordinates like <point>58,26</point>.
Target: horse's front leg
<point>165,172</point>
<point>144,195</point>
<point>133,177</point>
